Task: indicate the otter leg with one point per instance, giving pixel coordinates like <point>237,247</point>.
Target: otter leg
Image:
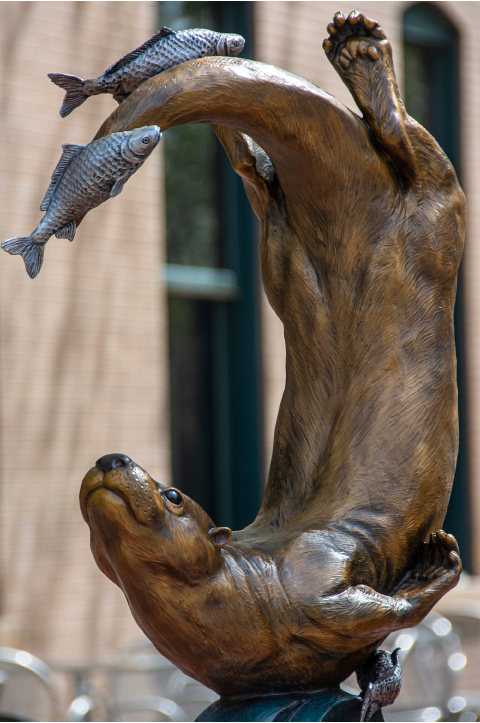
<point>253,166</point>
<point>361,612</point>
<point>361,54</point>
<point>267,201</point>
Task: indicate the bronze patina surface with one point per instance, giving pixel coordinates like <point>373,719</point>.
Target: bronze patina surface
<point>363,224</point>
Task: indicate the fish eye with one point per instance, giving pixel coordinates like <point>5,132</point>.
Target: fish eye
<point>145,140</point>
<point>174,497</point>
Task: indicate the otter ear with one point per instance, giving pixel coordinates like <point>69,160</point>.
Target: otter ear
<point>220,536</point>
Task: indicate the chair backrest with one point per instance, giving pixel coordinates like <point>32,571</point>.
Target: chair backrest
<point>140,675</point>
<point>23,679</point>
<point>136,704</point>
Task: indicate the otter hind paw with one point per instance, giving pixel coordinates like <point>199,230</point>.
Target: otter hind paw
<point>380,679</point>
<point>359,51</point>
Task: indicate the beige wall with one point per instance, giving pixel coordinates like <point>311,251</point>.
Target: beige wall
<point>82,365</point>
<point>290,34</point>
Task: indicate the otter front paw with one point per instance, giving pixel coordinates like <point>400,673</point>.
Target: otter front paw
<point>437,569</point>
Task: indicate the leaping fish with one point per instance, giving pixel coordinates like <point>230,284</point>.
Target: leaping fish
<point>85,177</point>
<point>164,50</point>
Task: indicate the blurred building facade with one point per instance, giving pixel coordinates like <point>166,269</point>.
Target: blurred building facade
<point>151,332</point>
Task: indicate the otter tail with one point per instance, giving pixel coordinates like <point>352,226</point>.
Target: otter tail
<point>32,253</point>
<point>75,94</point>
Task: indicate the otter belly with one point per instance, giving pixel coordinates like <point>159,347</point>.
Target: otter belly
<point>367,432</point>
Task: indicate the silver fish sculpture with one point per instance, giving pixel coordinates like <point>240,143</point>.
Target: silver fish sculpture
<point>164,50</point>
<point>85,177</point>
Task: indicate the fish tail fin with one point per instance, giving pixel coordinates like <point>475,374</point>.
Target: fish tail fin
<point>32,253</point>
<point>75,94</point>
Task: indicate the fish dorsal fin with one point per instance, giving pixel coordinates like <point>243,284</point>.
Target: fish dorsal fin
<point>70,150</point>
<point>163,33</point>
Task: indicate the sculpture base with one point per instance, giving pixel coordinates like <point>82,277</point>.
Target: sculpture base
<point>329,704</point>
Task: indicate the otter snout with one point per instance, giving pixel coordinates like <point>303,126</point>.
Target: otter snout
<point>112,461</point>
<point>118,474</point>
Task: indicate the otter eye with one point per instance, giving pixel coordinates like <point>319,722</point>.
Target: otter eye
<point>146,140</point>
<point>174,497</point>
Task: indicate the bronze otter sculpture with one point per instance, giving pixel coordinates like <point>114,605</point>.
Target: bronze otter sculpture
<point>362,235</point>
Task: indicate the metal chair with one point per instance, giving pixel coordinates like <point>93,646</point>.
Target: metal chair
<point>464,616</point>
<point>135,704</point>
<point>142,679</point>
<point>22,677</point>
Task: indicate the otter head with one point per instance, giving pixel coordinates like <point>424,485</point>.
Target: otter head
<point>140,529</point>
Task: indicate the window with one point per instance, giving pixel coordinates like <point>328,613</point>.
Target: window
<point>212,278</point>
<point>432,98</point>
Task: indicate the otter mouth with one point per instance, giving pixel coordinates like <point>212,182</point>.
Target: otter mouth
<point>116,492</point>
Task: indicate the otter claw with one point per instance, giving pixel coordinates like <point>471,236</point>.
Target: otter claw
<point>377,32</point>
<point>328,45</point>
<point>369,23</point>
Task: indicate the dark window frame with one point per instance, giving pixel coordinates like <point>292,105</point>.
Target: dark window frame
<point>229,298</point>
<point>431,41</point>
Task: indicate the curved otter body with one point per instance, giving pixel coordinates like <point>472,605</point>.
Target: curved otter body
<point>276,612</point>
<point>362,234</point>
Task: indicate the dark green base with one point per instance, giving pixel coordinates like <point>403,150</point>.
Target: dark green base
<point>330,704</point>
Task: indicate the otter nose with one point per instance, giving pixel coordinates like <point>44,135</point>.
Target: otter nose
<point>112,461</point>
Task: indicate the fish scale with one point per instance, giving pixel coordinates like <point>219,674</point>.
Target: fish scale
<point>175,50</point>
<point>162,51</point>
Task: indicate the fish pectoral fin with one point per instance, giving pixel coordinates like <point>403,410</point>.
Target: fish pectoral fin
<point>67,231</point>
<point>120,97</point>
<point>117,187</point>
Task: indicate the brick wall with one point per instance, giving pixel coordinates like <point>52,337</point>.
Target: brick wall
<point>83,345</point>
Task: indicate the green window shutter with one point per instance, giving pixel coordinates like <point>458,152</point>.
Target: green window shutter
<point>212,277</point>
<point>432,97</point>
